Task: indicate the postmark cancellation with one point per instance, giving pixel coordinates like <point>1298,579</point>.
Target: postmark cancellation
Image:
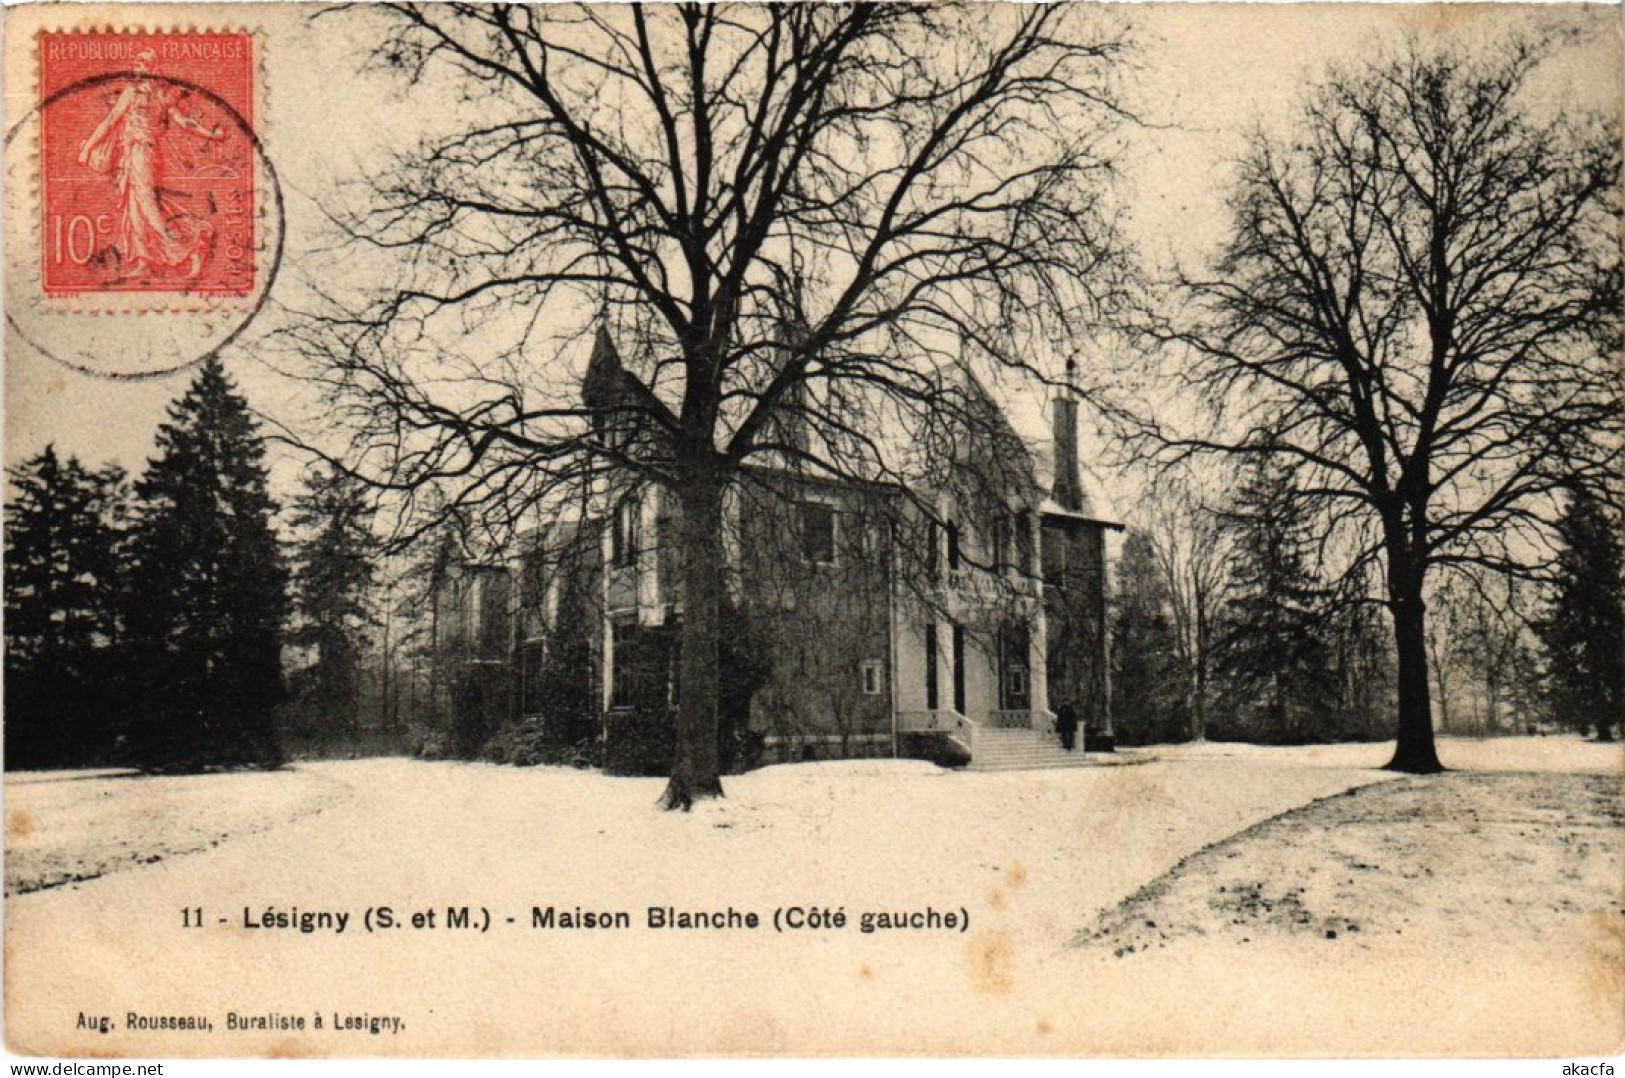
<point>146,218</point>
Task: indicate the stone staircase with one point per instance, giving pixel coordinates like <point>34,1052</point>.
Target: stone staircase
<point>1020,749</point>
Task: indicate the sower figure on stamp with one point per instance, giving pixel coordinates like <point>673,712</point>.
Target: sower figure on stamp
<point>153,230</point>
<point>1066,724</point>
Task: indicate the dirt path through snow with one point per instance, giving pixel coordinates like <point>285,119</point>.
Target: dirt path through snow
<point>66,827</point>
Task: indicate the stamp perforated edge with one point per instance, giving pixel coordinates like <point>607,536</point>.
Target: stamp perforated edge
<point>23,263</point>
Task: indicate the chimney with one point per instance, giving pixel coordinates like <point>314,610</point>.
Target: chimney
<point>1068,492</point>
<point>789,420</point>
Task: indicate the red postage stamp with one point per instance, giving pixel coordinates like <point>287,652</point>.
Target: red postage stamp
<point>147,163</point>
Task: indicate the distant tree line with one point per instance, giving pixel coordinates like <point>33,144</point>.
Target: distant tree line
<point>1290,654</point>
<point>1417,305</point>
<point>146,623</point>
<point>164,624</point>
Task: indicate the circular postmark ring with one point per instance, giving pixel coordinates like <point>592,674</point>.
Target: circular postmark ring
<point>276,242</point>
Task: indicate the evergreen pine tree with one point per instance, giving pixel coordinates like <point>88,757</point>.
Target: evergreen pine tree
<point>208,590</point>
<point>1583,631</point>
<point>1272,652</point>
<point>1362,661</point>
<point>62,578</point>
<point>335,568</point>
<point>1148,701</point>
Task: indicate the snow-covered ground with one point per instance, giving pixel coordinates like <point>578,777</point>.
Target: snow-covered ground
<point>1540,850</point>
<point>1032,858</point>
<point>1567,754</point>
<point>69,826</point>
<point>1510,886</point>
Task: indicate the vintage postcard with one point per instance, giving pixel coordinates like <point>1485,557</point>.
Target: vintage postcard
<point>1064,530</point>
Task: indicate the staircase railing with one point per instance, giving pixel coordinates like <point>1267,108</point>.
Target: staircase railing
<point>947,721</point>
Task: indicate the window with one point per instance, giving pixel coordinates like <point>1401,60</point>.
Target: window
<point>1014,644</point>
<point>818,533</point>
<point>624,536</point>
<point>867,543</point>
<point>872,679</point>
<point>1054,553</point>
<point>623,664</point>
<point>931,667</point>
<point>939,534</point>
<point>1016,686</point>
<point>530,677</point>
<point>533,580</point>
<point>1015,538</point>
<point>645,665</point>
<point>959,669</point>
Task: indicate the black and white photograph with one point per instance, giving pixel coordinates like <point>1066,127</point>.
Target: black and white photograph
<point>703,530</point>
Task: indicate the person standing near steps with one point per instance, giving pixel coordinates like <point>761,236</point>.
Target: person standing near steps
<point>1066,724</point>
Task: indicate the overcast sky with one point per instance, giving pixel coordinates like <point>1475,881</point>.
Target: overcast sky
<point>1207,74</point>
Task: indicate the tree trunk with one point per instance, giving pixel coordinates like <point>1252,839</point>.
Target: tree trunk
<point>695,766</point>
<point>1199,710</point>
<point>1199,707</point>
<point>1414,753</point>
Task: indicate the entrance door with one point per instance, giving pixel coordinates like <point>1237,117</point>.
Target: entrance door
<point>1015,685</point>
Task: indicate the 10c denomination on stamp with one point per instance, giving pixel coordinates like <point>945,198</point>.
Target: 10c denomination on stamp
<point>147,164</point>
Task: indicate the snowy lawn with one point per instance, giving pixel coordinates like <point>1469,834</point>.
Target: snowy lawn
<point>70,826</point>
<point>1563,753</point>
<point>1033,858</point>
<point>1481,910</point>
<point>1464,855</point>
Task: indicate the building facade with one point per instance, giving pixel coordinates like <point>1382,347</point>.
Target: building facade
<point>861,620</point>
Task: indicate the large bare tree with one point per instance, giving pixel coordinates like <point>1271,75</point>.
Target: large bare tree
<point>1419,303</point>
<point>793,217</point>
